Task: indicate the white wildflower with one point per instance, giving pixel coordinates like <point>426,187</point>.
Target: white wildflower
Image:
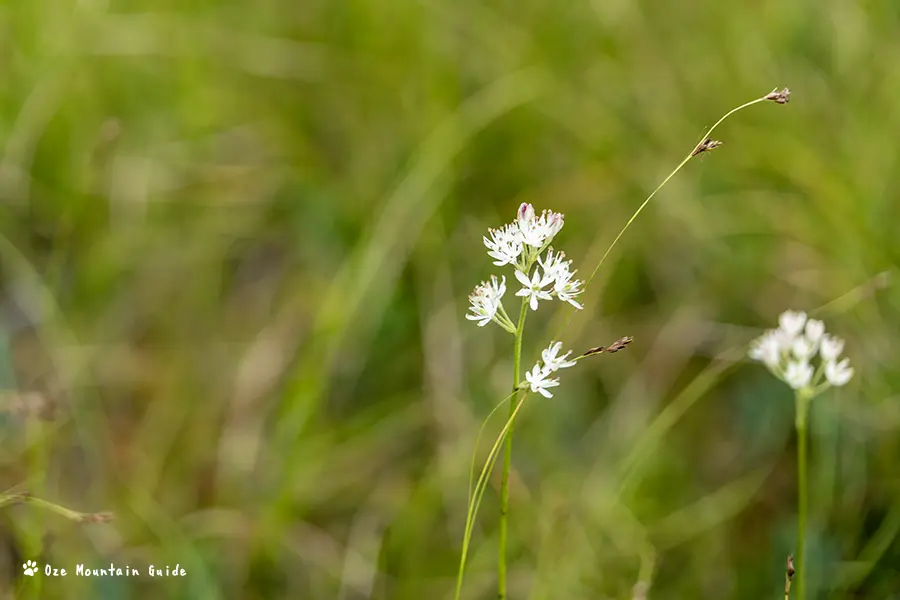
<point>814,330</point>
<point>505,245</point>
<point>567,288</point>
<point>803,349</point>
<point>768,348</point>
<point>552,362</point>
<point>531,228</point>
<point>485,300</point>
<point>788,354</point>
<point>838,373</point>
<point>538,380</point>
<point>554,262</point>
<point>525,212</point>
<point>831,348</point>
<point>798,374</point>
<point>534,289</point>
<point>792,322</point>
<point>550,223</point>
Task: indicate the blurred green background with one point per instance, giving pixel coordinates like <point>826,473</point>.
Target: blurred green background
<point>237,244</point>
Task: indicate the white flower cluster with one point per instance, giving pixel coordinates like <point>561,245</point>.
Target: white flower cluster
<point>789,350</point>
<point>522,244</point>
<point>538,379</point>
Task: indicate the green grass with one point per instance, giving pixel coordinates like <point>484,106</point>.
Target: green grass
<point>238,240</point>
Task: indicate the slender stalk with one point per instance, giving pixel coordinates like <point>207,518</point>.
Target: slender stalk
<point>802,402</point>
<point>507,458</point>
<point>691,155</point>
<point>478,492</point>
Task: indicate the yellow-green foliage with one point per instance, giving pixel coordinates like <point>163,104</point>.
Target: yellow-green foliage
<point>237,242</point>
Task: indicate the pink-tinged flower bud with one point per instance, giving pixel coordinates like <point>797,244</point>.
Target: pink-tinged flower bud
<point>526,212</point>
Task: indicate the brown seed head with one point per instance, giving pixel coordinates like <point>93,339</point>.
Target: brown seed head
<point>705,146</point>
<point>782,97</point>
<point>612,348</point>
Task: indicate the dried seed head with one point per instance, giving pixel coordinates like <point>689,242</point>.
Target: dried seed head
<point>614,347</point>
<point>782,97</point>
<point>620,344</point>
<point>705,146</point>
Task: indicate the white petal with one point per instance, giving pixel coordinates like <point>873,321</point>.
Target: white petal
<point>803,349</point>
<point>838,373</point>
<point>792,322</point>
<point>814,330</point>
<point>798,374</point>
<point>525,212</point>
<point>831,347</point>
<point>523,278</point>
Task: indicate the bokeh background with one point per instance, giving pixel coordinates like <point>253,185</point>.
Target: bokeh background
<point>237,244</point>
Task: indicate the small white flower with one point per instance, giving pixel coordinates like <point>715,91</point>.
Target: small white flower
<point>838,373</point>
<point>792,322</point>
<point>533,232</point>
<point>505,245</point>
<point>803,349</point>
<point>567,288</point>
<point>554,262</point>
<point>534,289</point>
<point>550,223</point>
<point>831,347</point>
<point>788,351</point>
<point>798,374</point>
<point>485,300</point>
<point>538,381</point>
<point>525,212</point>
<point>552,362</point>
<point>767,349</point>
<point>814,330</point>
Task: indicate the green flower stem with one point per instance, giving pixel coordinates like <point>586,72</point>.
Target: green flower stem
<point>504,321</point>
<point>507,458</point>
<point>802,407</point>
<point>478,491</point>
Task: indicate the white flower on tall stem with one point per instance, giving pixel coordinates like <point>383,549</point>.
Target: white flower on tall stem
<point>564,286</point>
<point>802,348</point>
<point>532,230</point>
<point>831,347</point>
<point>505,245</point>
<point>553,262</point>
<point>533,289</point>
<point>838,373</point>
<point>767,349</point>
<point>814,330</point>
<point>792,322</point>
<point>538,380</point>
<point>789,350</point>
<point>552,361</point>
<point>550,223</point>
<point>485,301</point>
<point>798,374</point>
<point>567,288</point>
<point>525,213</point>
